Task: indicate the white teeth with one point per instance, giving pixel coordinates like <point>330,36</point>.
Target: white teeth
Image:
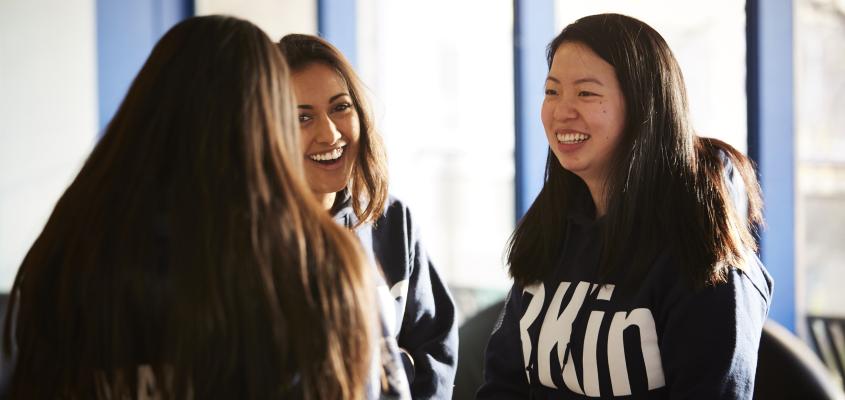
<point>328,156</point>
<point>570,138</point>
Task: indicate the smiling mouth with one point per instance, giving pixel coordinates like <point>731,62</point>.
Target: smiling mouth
<point>328,158</point>
<point>572,138</point>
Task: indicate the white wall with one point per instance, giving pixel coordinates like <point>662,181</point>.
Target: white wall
<point>48,113</point>
<point>276,17</point>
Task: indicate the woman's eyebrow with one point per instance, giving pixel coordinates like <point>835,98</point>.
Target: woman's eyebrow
<point>588,80</point>
<point>331,99</point>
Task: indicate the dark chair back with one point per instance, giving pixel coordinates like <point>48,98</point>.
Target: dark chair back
<point>473,336</point>
<point>788,369</point>
<point>828,334</point>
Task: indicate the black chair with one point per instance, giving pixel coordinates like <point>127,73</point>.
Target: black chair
<point>828,334</point>
<point>788,369</point>
<point>473,336</point>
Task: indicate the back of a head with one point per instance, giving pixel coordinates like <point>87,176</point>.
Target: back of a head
<point>190,243</point>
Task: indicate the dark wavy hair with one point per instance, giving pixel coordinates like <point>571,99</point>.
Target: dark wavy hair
<point>667,188</point>
<point>368,185</point>
<point>190,243</point>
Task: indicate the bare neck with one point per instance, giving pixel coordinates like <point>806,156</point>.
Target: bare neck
<point>326,199</point>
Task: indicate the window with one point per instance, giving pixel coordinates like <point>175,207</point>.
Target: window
<point>820,156</point>
<point>443,93</point>
<point>707,39</point>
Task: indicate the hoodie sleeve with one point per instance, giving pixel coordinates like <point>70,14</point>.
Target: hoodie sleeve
<point>504,369</point>
<point>711,337</point>
<point>429,332</point>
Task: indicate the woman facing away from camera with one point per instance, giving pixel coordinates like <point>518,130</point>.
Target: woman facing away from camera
<point>634,271</point>
<point>188,258</point>
<point>346,169</point>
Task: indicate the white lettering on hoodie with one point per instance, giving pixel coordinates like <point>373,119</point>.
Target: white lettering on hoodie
<point>556,331</point>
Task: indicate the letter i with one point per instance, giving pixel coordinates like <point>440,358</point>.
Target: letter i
<point>591,337</point>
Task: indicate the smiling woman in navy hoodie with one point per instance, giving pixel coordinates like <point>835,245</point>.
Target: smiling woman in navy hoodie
<point>345,167</point>
<point>635,272</point>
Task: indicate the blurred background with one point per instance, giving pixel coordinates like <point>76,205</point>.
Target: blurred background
<point>457,86</point>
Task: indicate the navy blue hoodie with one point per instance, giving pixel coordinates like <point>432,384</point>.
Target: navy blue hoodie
<point>424,323</point>
<point>568,338</point>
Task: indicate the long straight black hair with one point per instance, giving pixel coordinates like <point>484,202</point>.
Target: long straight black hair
<point>190,245</point>
<point>667,189</point>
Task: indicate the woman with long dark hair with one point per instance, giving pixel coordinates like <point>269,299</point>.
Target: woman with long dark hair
<point>635,274</point>
<point>188,258</point>
<point>346,169</point>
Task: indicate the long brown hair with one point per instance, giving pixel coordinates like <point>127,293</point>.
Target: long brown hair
<point>368,185</point>
<point>668,188</point>
<point>189,242</point>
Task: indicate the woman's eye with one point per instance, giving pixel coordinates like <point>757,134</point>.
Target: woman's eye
<point>585,93</point>
<point>342,107</point>
<point>551,92</point>
<point>303,118</point>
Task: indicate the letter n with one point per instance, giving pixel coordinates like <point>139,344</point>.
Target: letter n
<point>644,321</point>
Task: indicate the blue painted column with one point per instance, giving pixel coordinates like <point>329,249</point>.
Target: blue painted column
<point>337,22</point>
<point>533,29</point>
<point>771,142</point>
<point>127,30</point>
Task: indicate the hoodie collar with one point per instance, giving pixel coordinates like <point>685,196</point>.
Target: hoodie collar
<point>342,211</point>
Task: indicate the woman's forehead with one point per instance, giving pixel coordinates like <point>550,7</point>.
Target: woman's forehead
<point>575,61</point>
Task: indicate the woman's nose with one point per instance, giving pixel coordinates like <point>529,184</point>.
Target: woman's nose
<point>564,109</point>
<point>327,132</point>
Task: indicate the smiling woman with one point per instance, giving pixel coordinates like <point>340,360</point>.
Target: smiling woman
<point>584,115</point>
<point>634,269</point>
<point>330,129</point>
<point>345,167</point>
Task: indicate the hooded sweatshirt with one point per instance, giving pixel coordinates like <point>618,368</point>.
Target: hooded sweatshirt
<point>567,337</point>
<point>424,320</point>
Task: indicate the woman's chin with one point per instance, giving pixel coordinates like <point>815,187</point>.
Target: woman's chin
<point>326,188</point>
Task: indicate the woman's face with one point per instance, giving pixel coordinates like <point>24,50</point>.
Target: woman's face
<point>583,112</point>
<point>329,124</point>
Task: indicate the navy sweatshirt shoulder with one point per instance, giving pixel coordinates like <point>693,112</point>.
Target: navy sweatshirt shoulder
<point>396,241</point>
<point>425,323</point>
<point>389,242</point>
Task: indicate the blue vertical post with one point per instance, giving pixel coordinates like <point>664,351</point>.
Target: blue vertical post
<point>533,29</point>
<point>771,142</point>
<point>126,32</point>
<point>337,22</point>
